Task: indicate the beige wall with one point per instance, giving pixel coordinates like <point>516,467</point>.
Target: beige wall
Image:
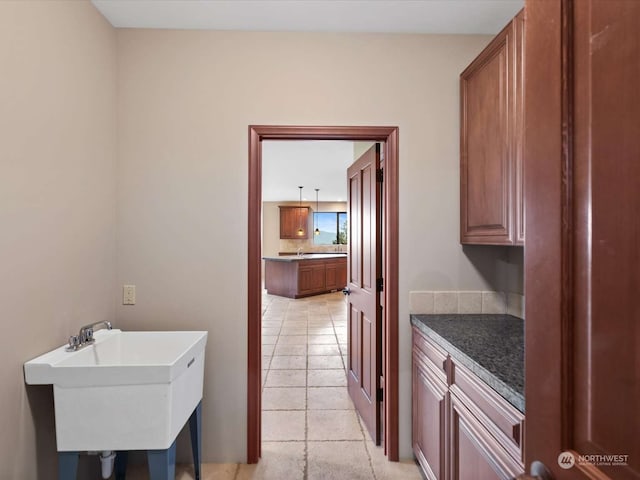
<point>57,206</point>
<point>185,101</point>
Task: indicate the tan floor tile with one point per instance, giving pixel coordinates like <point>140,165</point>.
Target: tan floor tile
<point>279,461</point>
<point>292,340</point>
<point>288,362</point>
<point>342,338</point>
<point>333,425</point>
<point>270,331</point>
<point>288,378</point>
<point>344,348</point>
<point>208,471</point>
<point>324,350</point>
<point>281,398</point>
<point>295,324</point>
<point>285,425</point>
<point>322,340</point>
<point>290,350</point>
<point>321,331</point>
<point>403,470</point>
<point>323,362</point>
<point>324,378</point>
<point>271,323</point>
<point>269,339</point>
<point>266,360</point>
<point>338,461</point>
<point>297,330</point>
<point>267,349</point>
<point>328,398</point>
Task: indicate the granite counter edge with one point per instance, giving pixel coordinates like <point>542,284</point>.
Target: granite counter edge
<point>504,390</point>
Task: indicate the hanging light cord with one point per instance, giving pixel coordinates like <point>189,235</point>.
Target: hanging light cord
<point>317,230</point>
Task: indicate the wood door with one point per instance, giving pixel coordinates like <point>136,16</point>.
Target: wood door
<point>582,177</point>
<point>364,270</point>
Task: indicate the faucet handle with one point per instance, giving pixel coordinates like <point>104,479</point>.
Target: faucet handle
<point>74,343</point>
<point>88,335</point>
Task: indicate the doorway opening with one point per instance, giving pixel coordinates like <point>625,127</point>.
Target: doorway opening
<point>388,136</point>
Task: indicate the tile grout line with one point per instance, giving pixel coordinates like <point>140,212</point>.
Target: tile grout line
<point>364,441</point>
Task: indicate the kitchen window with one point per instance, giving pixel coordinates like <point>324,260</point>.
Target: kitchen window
<point>332,226</point>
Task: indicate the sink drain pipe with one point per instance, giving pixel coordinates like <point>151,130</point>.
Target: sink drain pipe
<point>107,459</point>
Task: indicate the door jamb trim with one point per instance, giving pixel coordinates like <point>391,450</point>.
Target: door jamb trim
<point>388,135</point>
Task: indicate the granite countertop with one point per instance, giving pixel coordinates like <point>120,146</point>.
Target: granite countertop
<point>491,346</point>
<point>306,256</point>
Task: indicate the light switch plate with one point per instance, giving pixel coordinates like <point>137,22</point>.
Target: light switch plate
<point>128,294</point>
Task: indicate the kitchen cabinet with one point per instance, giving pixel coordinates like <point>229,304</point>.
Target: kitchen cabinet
<point>430,403</point>
<point>491,119</point>
<point>295,277</point>
<point>462,429</point>
<point>291,220</point>
<point>311,277</point>
<point>336,275</point>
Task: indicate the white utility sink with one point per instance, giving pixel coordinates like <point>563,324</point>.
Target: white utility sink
<point>126,391</point>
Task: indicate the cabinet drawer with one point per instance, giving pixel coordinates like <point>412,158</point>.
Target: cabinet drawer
<point>500,418</point>
<point>431,354</point>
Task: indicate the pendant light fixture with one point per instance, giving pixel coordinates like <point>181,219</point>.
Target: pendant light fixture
<point>300,229</point>
<point>317,230</point>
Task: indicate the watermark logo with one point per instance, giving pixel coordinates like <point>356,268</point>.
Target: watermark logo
<point>566,460</point>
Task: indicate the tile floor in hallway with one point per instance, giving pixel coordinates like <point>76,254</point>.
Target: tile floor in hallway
<point>310,429</point>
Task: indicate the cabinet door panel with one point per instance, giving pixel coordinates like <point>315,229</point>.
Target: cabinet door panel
<point>331,276</point>
<point>318,278</point>
<point>305,280</point>
<point>429,419</point>
<point>474,452</point>
<point>291,220</point>
<point>484,168</point>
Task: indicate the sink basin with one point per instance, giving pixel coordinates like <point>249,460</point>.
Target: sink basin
<point>127,391</point>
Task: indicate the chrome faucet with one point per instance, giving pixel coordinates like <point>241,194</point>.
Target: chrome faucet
<point>85,337</point>
<point>300,252</point>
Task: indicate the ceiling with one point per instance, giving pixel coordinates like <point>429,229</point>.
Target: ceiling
<point>390,16</point>
<point>319,164</point>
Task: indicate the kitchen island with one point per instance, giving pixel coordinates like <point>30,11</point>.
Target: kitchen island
<point>296,276</point>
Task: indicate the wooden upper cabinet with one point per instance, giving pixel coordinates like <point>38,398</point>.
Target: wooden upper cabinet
<point>491,194</point>
<point>291,220</point>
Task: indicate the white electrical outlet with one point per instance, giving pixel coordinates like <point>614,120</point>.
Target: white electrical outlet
<point>128,294</point>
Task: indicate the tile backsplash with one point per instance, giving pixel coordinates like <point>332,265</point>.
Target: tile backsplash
<point>466,302</point>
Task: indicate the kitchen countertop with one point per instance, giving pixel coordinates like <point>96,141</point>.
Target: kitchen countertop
<point>306,256</point>
<point>491,346</point>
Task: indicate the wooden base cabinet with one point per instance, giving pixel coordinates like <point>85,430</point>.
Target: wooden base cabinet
<point>430,411</point>
<point>462,429</point>
<point>302,278</point>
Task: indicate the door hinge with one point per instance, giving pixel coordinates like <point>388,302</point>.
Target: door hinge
<point>380,395</point>
<point>380,285</point>
<point>380,175</point>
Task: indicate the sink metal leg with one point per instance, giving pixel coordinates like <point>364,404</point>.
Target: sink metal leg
<point>120,467</point>
<point>195,428</point>
<point>67,465</point>
<point>162,463</point>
